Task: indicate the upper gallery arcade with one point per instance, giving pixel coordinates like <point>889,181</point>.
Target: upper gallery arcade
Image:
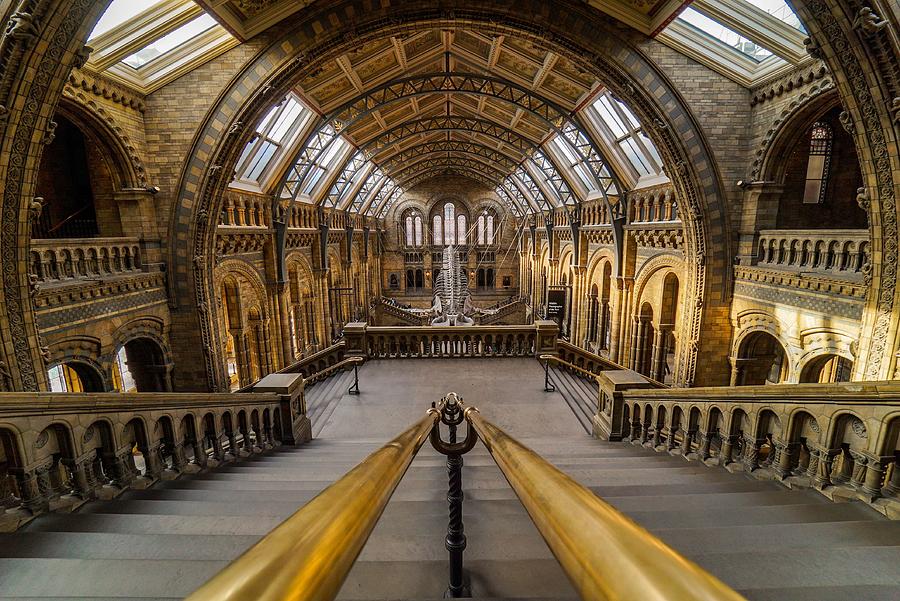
<point>197,194</point>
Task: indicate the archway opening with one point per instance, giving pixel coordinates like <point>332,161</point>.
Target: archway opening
<point>74,376</point>
<point>141,367</point>
<point>761,360</point>
<point>827,368</point>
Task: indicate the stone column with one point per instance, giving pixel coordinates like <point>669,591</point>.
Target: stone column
<point>620,301</point>
<point>200,456</point>
<point>858,475</point>
<point>30,492</point>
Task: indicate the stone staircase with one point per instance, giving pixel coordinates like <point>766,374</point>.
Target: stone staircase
<point>580,394</point>
<point>323,397</point>
<point>766,541</point>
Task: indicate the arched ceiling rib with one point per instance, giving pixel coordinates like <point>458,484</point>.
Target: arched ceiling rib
<point>488,105</point>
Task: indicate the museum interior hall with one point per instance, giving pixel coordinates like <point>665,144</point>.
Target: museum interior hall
<point>422,299</point>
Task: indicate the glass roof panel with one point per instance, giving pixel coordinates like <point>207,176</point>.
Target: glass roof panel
<point>119,12</point>
<point>729,37</point>
<point>780,10</point>
<point>170,41</point>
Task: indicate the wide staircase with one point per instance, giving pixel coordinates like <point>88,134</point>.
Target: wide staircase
<point>762,539</point>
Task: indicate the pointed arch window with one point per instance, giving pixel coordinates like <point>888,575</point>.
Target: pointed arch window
<point>490,229</point>
<point>418,230</point>
<point>461,229</point>
<point>820,142</point>
<point>436,231</point>
<point>449,224</point>
<point>481,230</point>
<point>409,231</point>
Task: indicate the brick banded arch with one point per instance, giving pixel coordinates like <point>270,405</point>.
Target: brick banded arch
<point>571,31</point>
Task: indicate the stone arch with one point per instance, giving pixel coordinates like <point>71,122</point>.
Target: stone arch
<point>105,131</point>
<point>610,58</point>
<point>769,162</point>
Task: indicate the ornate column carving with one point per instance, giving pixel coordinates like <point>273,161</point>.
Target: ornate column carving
<point>785,452</point>
<point>751,453</point>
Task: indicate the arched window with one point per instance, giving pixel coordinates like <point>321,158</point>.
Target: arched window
<point>481,231</point>
<point>449,224</point>
<point>820,141</point>
<point>490,229</point>
<point>437,234</point>
<point>409,230</point>
<point>418,228</point>
<point>461,229</point>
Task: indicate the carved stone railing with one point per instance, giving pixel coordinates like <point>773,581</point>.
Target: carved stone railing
<point>63,449</point>
<point>653,205</point>
<point>840,439</point>
<point>514,307</point>
<point>843,253</point>
<point>382,308</point>
<point>246,210</point>
<point>66,260</point>
<point>376,342</point>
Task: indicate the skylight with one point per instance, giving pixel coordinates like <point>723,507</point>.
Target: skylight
<point>272,136</point>
<point>628,136</point>
<point>725,35</point>
<point>170,41</point>
<point>780,10</point>
<point>119,12</point>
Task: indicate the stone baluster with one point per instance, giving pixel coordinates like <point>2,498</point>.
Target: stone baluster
<point>687,442</point>
<point>179,460</point>
<point>153,462</point>
<point>30,492</point>
<point>705,441</point>
<point>823,467</point>
<point>874,481</point>
<point>671,443</point>
<point>635,428</point>
<point>116,466</point>
<point>860,468</point>
<point>200,456</point>
<point>845,468</point>
<point>657,437</point>
<point>645,432</point>
<point>751,453</point>
<point>892,486</point>
<point>786,452</point>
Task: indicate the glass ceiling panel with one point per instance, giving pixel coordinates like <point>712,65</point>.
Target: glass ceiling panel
<point>780,10</point>
<point>170,41</point>
<point>729,37</point>
<point>119,12</point>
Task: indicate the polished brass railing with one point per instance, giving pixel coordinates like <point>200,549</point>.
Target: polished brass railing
<point>308,557</point>
<point>605,555</point>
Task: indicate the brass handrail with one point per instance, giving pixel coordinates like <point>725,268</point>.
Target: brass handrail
<point>309,555</point>
<point>571,366</point>
<point>332,368</point>
<point>606,556</point>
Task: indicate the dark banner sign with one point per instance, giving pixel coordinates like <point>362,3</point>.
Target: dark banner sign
<point>556,305</point>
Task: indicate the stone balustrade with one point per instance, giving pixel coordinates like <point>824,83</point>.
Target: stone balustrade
<point>383,342</point>
<point>835,252</point>
<point>653,205</point>
<point>841,439</point>
<point>59,260</point>
<point>62,449</point>
<point>240,210</point>
<point>303,216</point>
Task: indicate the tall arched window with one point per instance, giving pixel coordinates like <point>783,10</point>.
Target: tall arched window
<point>481,230</point>
<point>820,141</point>
<point>449,224</point>
<point>436,231</point>
<point>461,229</point>
<point>418,230</point>
<point>409,230</point>
<point>490,229</point>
